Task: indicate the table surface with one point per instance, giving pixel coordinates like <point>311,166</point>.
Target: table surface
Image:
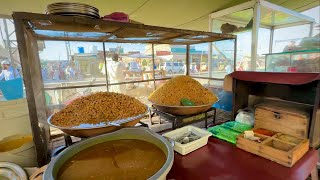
<point>224,161</point>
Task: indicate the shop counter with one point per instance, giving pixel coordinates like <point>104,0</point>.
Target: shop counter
<point>222,160</point>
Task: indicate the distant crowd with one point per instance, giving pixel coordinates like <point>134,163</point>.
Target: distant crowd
<point>60,71</point>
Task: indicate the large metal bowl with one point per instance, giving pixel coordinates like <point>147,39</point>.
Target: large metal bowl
<point>140,133</point>
<point>98,130</point>
<point>183,110</point>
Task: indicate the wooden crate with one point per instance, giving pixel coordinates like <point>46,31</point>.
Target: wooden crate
<point>280,148</point>
<point>289,143</point>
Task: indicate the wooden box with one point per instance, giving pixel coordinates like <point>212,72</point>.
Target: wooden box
<point>282,117</point>
<point>288,142</point>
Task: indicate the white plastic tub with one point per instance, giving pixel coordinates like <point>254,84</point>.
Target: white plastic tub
<point>184,149</point>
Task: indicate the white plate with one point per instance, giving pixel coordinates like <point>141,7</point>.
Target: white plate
<point>10,171</point>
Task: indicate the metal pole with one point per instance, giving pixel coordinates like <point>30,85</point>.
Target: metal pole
<point>67,44</point>
<point>8,40</point>
<point>271,33</point>
<point>311,29</point>
<point>270,48</point>
<point>235,55</point>
<point>153,70</point>
<point>255,33</point>
<point>271,40</point>
<point>188,62</point>
<point>210,50</point>
<point>105,65</point>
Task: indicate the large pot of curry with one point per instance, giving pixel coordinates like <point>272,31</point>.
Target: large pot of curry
<point>129,153</point>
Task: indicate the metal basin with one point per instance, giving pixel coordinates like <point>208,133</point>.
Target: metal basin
<point>183,110</point>
<point>98,130</point>
<point>140,133</point>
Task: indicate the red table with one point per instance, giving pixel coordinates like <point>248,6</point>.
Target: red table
<point>224,161</point>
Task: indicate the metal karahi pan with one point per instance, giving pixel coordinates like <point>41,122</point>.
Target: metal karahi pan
<point>102,128</point>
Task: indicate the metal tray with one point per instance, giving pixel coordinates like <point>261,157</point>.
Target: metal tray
<point>183,110</point>
<point>100,129</point>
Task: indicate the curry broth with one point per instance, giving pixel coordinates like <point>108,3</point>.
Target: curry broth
<point>117,159</point>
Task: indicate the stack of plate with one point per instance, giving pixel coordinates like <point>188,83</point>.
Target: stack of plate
<point>73,9</point>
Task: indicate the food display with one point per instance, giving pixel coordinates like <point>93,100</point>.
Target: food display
<point>101,107</point>
<point>117,159</point>
<point>182,90</point>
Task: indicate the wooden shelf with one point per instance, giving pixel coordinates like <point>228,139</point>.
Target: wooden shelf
<point>67,28</point>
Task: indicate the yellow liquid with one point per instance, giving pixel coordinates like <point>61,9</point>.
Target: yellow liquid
<point>117,159</point>
<point>14,144</point>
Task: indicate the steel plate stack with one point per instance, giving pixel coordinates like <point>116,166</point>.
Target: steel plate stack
<point>73,9</point>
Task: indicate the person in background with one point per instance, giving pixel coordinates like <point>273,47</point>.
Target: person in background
<point>8,72</point>
<point>102,67</point>
<point>56,74</point>
<point>70,72</point>
<point>290,47</point>
<point>44,73</point>
<point>62,75</point>
<point>228,68</point>
<point>116,72</point>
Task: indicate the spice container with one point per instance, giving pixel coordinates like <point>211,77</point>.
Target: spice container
<point>181,145</point>
<point>282,130</point>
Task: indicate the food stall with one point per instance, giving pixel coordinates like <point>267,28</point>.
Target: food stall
<point>103,120</point>
<point>32,27</point>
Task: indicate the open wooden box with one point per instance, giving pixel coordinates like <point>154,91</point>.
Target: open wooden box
<point>287,143</point>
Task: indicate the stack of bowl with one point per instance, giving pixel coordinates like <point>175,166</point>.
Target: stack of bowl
<point>73,9</point>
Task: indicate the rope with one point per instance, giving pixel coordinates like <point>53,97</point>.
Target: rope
<point>139,7</point>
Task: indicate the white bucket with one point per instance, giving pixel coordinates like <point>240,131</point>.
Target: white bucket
<point>18,149</point>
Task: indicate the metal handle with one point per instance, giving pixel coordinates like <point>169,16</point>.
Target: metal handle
<point>170,140</point>
<point>276,115</point>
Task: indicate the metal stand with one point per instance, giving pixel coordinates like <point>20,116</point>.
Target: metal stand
<point>179,121</point>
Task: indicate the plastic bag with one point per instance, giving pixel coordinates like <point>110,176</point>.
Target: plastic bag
<point>225,101</point>
<point>245,116</point>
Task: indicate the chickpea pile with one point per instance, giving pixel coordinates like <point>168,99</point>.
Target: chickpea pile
<point>98,107</point>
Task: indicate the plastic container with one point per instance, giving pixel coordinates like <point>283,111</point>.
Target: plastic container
<point>237,126</point>
<point>184,149</point>
<point>224,133</point>
<point>12,89</point>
